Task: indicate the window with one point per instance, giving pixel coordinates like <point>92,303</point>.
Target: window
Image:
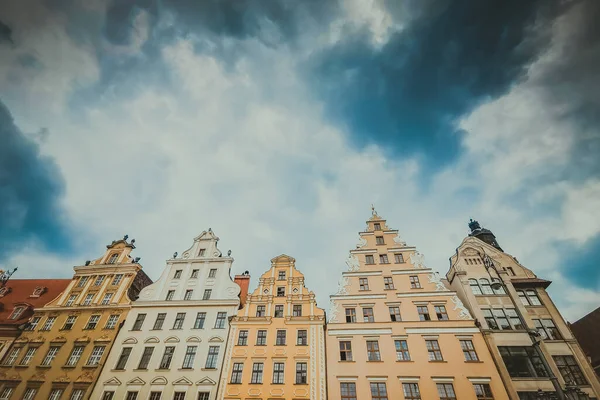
<point>522,361</point>
<point>160,320</point>
<point>388,283</point>
<point>369,259</point>
<point>301,374</point>
<point>570,371</point>
<point>414,282</point>
<point>111,322</point>
<point>179,318</point>
<point>379,240</point>
<point>261,338</point>
<point>12,356</point>
<point>485,286</point>
<point>55,394</point>
<point>50,355</point>
<point>440,312</point>
<point>69,323</point>
<point>236,373</point>
<point>469,350</point>
<point>48,324</point>
<point>96,355</point>
<point>220,321</point>
<point>483,391</point>
<point>278,369</point>
<point>29,393</point>
<point>146,356</point>
<point>177,274</point>
<point>398,258</point>
<point>207,294</point>
<point>131,396</point>
<point>92,322</point>
<point>200,318</point>
<point>82,281</point>
<point>348,390</point>
<point>280,339</point>
<point>75,355</point>
<point>28,356</point>
<point>368,315</point>
<point>433,348</point>
<point>88,299</point>
<point>113,258</point>
<point>402,353</point>
<point>243,338</point>
<point>500,290</point>
<point>279,311</point>
<point>122,361</point>
<point>32,325</point>
<point>498,318</point>
<point>165,362</point>
<point>170,295</point>
<point>71,300</point>
<point>139,321</point>
<point>529,297</point>
<point>188,359</point>
<point>383,259</point>
<point>377,226</point>
<point>77,394</point>
<point>423,313</point>
<point>373,350</point>
<point>395,313</point>
<point>108,395</point>
<point>257,373</point>
<point>155,395</point>
<point>363,283</point>
<point>297,310</point>
<point>212,273</point>
<point>194,273</point>
<point>475,286</point>
<point>201,252</point>
<point>213,355</point>
<point>378,391</point>
<point>514,319</point>
<point>547,329</point>
<point>280,291</point>
<point>346,351</point>
<point>411,391</point>
<point>302,338</point>
<point>350,315</point>
<point>99,280</point>
<point>260,311</point>
<point>203,395</point>
<point>281,276</point>
<point>446,391</point>
<point>117,279</point>
<point>188,294</point>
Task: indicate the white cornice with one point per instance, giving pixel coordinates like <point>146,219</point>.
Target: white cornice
<point>84,308</point>
<point>402,248</point>
<point>452,330</point>
<point>425,294</point>
<point>187,303</point>
<point>411,271</point>
<point>365,251</point>
<point>366,273</point>
<point>357,296</point>
<point>368,332</point>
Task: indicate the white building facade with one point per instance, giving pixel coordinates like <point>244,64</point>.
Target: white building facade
<point>172,344</point>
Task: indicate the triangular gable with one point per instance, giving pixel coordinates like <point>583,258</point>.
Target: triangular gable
<point>159,380</point>
<point>183,381</point>
<point>172,339</point>
<point>152,339</point>
<point>136,381</point>
<point>206,381</point>
<point>112,381</point>
<point>193,339</point>
<point>130,340</point>
<point>216,339</point>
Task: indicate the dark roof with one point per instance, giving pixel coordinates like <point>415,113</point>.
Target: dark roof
<point>532,282</point>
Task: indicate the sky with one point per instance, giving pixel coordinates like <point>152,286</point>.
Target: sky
<point>278,123</point>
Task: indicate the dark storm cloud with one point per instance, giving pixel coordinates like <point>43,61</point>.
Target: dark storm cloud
<point>5,33</point>
<point>31,187</point>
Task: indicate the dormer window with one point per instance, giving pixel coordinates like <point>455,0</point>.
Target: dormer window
<point>212,273</point>
<point>17,312</point>
<point>281,276</point>
<point>377,226</point>
<point>281,291</point>
<point>177,274</point>
<point>379,240</point>
<point>38,291</point>
<point>4,291</point>
<point>113,259</point>
<point>201,252</point>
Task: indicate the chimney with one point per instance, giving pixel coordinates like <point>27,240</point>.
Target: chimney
<point>244,282</point>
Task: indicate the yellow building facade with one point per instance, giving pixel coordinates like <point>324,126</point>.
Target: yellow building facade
<point>395,330</point>
<point>276,346</point>
<point>64,346</point>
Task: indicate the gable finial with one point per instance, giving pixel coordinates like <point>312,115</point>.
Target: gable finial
<point>125,237</point>
<point>373,212</point>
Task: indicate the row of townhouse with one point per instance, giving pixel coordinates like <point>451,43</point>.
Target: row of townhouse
<point>395,329</point>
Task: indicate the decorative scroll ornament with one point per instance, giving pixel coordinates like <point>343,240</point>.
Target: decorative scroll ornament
<point>352,263</point>
<point>362,242</point>
<point>343,283</point>
<point>398,240</point>
<point>334,310</point>
<point>434,277</point>
<point>418,260</point>
<point>463,313</point>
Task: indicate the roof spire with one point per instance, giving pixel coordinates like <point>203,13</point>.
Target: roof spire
<point>373,212</point>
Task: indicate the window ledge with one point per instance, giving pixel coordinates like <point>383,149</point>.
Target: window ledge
<point>374,361</point>
<point>347,361</point>
<point>208,369</point>
<point>474,361</point>
<point>438,361</point>
<point>185,369</point>
<point>90,366</point>
<point>21,366</point>
<point>43,366</point>
<point>301,384</point>
<point>404,361</point>
<point>69,366</point>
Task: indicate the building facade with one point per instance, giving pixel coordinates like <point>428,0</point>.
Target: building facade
<point>395,331</point>
<point>586,332</point>
<point>64,346</point>
<point>173,343</point>
<point>276,347</point>
<point>530,341</point>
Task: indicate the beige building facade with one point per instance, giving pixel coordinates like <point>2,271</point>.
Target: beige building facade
<point>395,331</point>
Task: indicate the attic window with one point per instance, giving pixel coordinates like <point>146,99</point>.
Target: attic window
<point>17,312</point>
<point>4,291</point>
<point>201,252</point>
<point>113,259</point>
<point>38,291</point>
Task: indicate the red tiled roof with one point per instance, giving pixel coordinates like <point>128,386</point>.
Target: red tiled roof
<point>21,291</point>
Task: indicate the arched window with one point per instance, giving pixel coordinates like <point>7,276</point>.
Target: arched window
<point>485,286</point>
<point>4,291</point>
<point>500,290</point>
<point>17,312</point>
<point>38,291</point>
<point>113,259</point>
<point>474,286</point>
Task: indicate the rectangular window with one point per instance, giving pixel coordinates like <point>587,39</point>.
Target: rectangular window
<point>469,350</point>
<point>92,322</point>
<point>108,395</point>
<point>236,373</point>
<point>165,361</point>
<point>146,356</point>
<point>203,395</point>
<point>71,300</point>
<point>350,315</point>
<point>199,322</point>
<point>48,324</point>
<point>570,371</point>
<point>279,311</point>
<point>395,313</point>
<point>207,294</point>
<point>522,361</point>
<point>346,351</point>
<point>88,299</point>
<point>388,283</point>
<point>188,359</point>
<point>383,259</point>
<point>28,356</point>
<point>117,279</point>
<point>106,299</point>
<point>348,390</point>
<point>99,280</point>
<point>194,273</point>
<point>278,373</point>
<point>402,353</point>
<point>281,276</point>
<point>177,274</point>
<point>379,240</point>
<point>441,313</point>
<point>96,355</point>
<point>32,325</point>
<point>411,391</point>
<point>483,391</point>
<point>243,338</point>
<point>12,356</point>
<point>179,319</point>
<point>280,291</point>
<point>50,355</point>
<point>69,323</point>
<point>363,283</point>
<point>301,374</point>
<point>260,311</point>
<point>170,295</point>
<point>220,321</point>
<point>155,395</point>
<point>30,393</point>
<point>82,281</point>
<point>423,313</point>
<point>297,310</point>
<point>302,338</point>
<point>212,273</point>
<point>368,315</point>
<point>547,329</point>
<point>55,394</point>
<point>373,350</point>
<point>77,394</point>
<point>188,294</point>
<point>75,355</point>
<point>377,226</point>
<point>369,259</point>
<point>501,319</point>
<point>6,393</point>
<point>514,319</point>
<point>398,258</point>
<point>213,356</point>
<point>201,252</point>
<point>131,396</point>
<point>280,339</point>
<point>511,271</point>
<point>122,361</point>
<point>414,282</point>
<point>257,372</point>
<point>446,391</point>
<point>261,338</point>
<point>433,348</point>
<point>378,391</point>
<point>139,321</point>
<point>160,320</point>
<point>111,322</point>
<point>529,297</point>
